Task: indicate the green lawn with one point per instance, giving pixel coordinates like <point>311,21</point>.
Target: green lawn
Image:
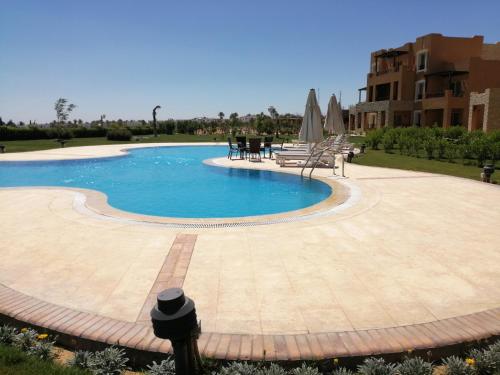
<point>15,362</point>
<point>46,144</point>
<point>379,158</point>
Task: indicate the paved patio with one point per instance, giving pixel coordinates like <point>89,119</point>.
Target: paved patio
<point>407,250</point>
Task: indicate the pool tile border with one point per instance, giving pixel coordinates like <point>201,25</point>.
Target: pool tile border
<point>172,272</point>
<point>79,329</point>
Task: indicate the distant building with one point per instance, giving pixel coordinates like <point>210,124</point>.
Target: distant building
<point>434,81</point>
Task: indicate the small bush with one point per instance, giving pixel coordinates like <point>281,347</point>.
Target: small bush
<point>305,370</point>
<point>43,349</point>
<point>342,371</point>
<point>7,334</point>
<point>81,359</point>
<point>415,366</point>
<point>165,367</point>
<point>389,140</point>
<point>110,361</point>
<point>486,361</point>
<point>25,339</point>
<point>238,368</point>
<point>273,369</point>
<point>119,134</point>
<point>457,366</point>
<point>374,138</point>
<point>429,147</point>
<point>377,366</point>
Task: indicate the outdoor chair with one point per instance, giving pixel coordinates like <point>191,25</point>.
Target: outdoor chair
<point>268,144</point>
<point>2,149</point>
<point>242,145</point>
<point>254,149</point>
<point>232,149</point>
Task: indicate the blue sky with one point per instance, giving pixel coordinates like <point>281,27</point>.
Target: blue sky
<point>196,58</point>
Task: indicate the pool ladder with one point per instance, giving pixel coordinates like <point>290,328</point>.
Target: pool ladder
<point>319,149</point>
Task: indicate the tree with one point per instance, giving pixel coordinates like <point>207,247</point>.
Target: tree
<point>221,116</point>
<point>103,116</point>
<point>233,117</point>
<point>63,109</point>
<point>1,122</point>
<point>275,116</point>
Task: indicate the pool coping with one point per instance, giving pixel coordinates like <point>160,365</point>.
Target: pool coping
<point>83,330</point>
<point>96,202</point>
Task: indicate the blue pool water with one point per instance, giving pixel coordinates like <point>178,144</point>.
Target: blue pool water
<point>174,182</point>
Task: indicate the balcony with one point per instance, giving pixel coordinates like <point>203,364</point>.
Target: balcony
<point>444,99</point>
<point>442,94</point>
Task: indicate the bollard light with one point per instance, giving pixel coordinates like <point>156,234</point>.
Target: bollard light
<point>362,148</point>
<point>174,319</point>
<point>350,156</point>
<point>488,170</point>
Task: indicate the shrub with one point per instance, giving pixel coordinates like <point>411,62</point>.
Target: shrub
<point>441,146</point>
<point>481,148</point>
<point>377,366</point>
<point>415,366</point>
<point>305,370</point>
<point>486,361</point>
<point>25,339</point>
<point>110,361</point>
<point>81,359</point>
<point>389,140</point>
<point>429,147</point>
<point>7,334</point>
<point>238,368</point>
<point>165,367</point>
<point>273,369</point>
<point>457,366</point>
<point>42,349</point>
<point>455,132</point>
<point>451,152</point>
<point>119,134</point>
<point>140,130</point>
<point>374,138</point>
<point>342,371</point>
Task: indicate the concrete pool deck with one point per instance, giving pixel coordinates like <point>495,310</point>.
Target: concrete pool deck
<point>411,260</point>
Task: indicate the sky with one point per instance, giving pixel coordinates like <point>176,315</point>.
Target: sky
<point>197,58</point>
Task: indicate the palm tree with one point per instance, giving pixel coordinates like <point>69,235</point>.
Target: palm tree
<point>275,116</point>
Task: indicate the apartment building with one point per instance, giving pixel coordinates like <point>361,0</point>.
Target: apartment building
<point>434,81</point>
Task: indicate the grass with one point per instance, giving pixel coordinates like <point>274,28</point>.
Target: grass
<point>46,144</point>
<point>15,362</point>
<point>379,158</point>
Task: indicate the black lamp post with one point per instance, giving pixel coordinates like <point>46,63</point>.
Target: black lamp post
<point>174,318</point>
<point>154,120</point>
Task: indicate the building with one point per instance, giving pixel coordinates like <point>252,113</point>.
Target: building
<point>434,81</point>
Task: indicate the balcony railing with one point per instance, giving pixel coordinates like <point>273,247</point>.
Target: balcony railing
<point>441,94</point>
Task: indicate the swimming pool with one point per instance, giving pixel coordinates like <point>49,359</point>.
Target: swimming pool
<point>173,182</point>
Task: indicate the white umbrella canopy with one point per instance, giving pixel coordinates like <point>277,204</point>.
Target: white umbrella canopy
<point>311,130</point>
<point>334,122</point>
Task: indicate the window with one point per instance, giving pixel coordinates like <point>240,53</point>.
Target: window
<point>421,61</point>
<point>420,90</point>
<point>417,118</point>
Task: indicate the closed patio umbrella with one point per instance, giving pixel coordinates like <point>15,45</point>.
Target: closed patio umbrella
<point>333,121</point>
<point>311,130</point>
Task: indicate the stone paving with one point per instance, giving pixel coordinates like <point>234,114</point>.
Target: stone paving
<point>411,261</point>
